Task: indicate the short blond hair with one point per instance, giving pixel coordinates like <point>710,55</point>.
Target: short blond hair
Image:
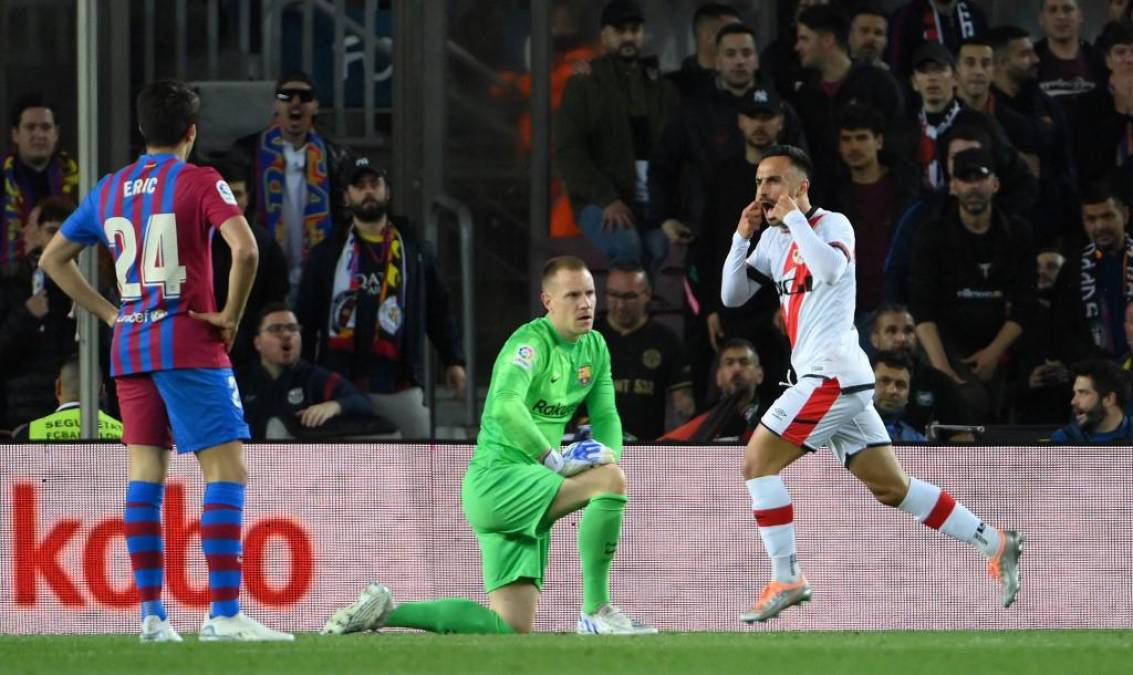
<point>562,262</point>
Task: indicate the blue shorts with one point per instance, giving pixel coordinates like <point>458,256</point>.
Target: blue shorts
<point>200,405</point>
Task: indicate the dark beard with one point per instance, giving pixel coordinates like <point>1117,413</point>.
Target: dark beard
<point>370,211</point>
<point>1094,417</point>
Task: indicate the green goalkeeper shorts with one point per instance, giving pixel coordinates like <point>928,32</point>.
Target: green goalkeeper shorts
<point>507,504</point>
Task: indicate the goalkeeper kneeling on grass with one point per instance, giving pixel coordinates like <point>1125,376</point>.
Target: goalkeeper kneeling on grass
<point>517,484</point>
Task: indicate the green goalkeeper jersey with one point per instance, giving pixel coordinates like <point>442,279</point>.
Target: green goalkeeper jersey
<point>538,381</point>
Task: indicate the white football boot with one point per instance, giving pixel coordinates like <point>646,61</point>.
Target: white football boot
<point>369,612</point>
<point>239,628</point>
<point>609,620</point>
<point>157,630</point>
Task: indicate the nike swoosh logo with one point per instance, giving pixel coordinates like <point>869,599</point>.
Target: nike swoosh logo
<point>555,378</point>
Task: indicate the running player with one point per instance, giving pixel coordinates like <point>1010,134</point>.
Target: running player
<point>169,353</point>
<point>809,254</point>
<point>517,484</point>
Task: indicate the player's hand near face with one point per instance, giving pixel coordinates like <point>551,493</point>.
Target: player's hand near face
<point>318,414</point>
<point>224,324</point>
<point>782,207</point>
<point>751,220</point>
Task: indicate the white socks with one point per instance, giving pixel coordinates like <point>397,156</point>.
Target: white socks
<point>771,505</point>
<point>937,509</point>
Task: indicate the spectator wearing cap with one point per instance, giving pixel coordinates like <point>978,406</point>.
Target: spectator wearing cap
<point>934,80</point>
<point>973,288</point>
<point>760,118</point>
<point>1067,63</point>
<point>369,295</point>
<point>697,73</point>
<point>869,35</point>
<point>1017,193</point>
<point>942,22</point>
<point>872,189</point>
<point>835,81</point>
<point>702,133</point>
<point>293,189</point>
<point>1016,87</point>
<point>1103,122</point>
<point>606,131</point>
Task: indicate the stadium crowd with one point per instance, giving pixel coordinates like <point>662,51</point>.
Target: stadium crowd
<point>986,171</point>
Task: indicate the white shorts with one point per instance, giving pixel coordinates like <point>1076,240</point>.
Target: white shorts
<point>817,412</point>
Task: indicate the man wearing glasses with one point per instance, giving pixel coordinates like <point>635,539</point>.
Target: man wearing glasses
<point>293,184</point>
<point>649,369</point>
<point>283,390</point>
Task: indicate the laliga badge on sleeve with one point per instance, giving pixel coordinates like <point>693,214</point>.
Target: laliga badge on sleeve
<point>524,357</point>
<point>226,193</point>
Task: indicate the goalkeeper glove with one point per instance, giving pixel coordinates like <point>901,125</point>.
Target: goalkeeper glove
<point>578,457</point>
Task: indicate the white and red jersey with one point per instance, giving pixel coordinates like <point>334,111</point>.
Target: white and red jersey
<point>819,316</point>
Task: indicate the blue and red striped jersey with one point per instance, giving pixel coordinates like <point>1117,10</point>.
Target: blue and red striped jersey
<point>157,217</point>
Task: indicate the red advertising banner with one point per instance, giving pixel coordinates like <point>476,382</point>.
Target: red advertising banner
<point>323,520</point>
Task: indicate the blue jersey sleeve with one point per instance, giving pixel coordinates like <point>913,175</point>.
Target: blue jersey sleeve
<point>84,226</point>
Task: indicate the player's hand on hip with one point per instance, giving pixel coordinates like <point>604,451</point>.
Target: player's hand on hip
<point>751,220</point>
<point>318,414</point>
<point>782,207</point>
<point>224,325</point>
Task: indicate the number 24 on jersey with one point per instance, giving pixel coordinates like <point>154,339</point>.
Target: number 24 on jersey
<point>160,262</point>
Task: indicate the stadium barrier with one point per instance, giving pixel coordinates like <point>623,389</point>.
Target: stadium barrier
<point>323,520</point>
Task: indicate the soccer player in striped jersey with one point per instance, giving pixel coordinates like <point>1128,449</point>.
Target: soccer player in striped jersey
<point>808,253</point>
<point>169,353</point>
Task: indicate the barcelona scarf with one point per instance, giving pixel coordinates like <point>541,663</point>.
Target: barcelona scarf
<point>369,273</point>
<point>18,198</point>
<point>271,167</point>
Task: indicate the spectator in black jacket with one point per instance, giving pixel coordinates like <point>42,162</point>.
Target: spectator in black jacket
<point>37,331</point>
<point>942,22</point>
<point>697,73</point>
<point>834,82</point>
<point>369,296</point>
<point>1104,117</point>
<point>1016,87</point>
<point>270,283</point>
<point>1017,188</point>
<point>283,392</point>
<point>731,188</point>
<point>973,288</point>
<point>702,133</point>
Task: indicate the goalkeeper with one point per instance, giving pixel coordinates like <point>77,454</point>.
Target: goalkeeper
<point>518,483</point>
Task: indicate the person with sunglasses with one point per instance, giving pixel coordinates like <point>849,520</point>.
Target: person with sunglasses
<point>293,184</point>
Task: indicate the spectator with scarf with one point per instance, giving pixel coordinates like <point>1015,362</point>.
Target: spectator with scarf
<point>34,168</point>
<point>294,191</point>
<point>737,410</point>
<point>943,22</point>
<point>369,294</point>
<point>1100,276</point>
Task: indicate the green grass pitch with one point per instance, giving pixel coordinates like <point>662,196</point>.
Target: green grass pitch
<point>872,653</point>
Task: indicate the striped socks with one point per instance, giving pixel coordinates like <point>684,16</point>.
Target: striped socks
<point>221,518</point>
<point>771,506</point>
<point>144,543</point>
<point>938,510</point>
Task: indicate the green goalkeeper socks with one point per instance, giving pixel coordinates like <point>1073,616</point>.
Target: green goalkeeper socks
<point>597,542</point>
<point>450,615</point>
